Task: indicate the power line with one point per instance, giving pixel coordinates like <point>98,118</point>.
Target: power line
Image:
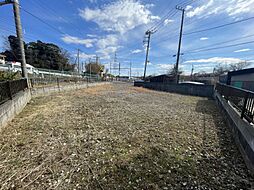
<point>221,47</point>
<point>220,26</point>
<point>171,13</point>
<point>53,12</point>
<point>44,22</point>
<point>224,42</point>
<point>41,20</point>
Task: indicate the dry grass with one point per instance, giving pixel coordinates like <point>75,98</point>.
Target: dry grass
<point>120,137</point>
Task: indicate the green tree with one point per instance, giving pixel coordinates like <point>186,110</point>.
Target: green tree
<point>40,55</point>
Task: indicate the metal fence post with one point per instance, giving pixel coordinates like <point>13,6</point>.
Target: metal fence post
<point>9,89</point>
<point>244,105</point>
<point>32,83</point>
<point>58,84</point>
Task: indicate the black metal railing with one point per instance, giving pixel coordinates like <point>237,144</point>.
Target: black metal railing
<point>9,89</point>
<point>242,100</point>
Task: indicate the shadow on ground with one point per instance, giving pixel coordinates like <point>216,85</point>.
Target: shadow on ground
<point>217,165</point>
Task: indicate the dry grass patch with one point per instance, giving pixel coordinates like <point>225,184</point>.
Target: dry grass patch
<point>108,138</point>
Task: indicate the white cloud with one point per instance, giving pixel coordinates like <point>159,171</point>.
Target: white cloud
<point>91,35</point>
<point>105,53</point>
<point>242,50</point>
<point>165,66</point>
<point>204,38</point>
<point>240,7</point>
<point>75,40</point>
<point>168,21</point>
<point>109,40</point>
<point>136,51</point>
<point>86,56</point>
<point>232,8</point>
<point>217,60</point>
<point>119,16</point>
<point>200,10</point>
<point>107,46</point>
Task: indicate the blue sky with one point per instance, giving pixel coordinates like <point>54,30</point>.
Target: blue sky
<point>101,27</point>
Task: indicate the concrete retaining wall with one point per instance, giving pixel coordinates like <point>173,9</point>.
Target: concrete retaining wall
<point>243,132</point>
<point>13,107</point>
<point>186,89</point>
<point>74,86</point>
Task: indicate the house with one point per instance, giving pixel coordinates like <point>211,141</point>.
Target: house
<point>2,59</point>
<point>242,79</point>
<point>163,79</point>
<point>16,67</point>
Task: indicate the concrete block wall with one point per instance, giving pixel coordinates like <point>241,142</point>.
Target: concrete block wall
<point>243,132</point>
<point>13,107</point>
<point>74,86</point>
<point>186,89</point>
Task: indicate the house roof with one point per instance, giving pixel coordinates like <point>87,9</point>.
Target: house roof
<point>3,56</point>
<point>241,72</point>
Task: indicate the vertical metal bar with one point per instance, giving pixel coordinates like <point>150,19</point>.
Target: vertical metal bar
<point>32,83</point>
<point>244,105</point>
<point>58,84</point>
<point>8,85</point>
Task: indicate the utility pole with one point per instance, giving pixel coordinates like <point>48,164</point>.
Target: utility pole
<point>78,62</point>
<point>130,69</point>
<point>16,11</point>
<point>110,67</point>
<point>148,36</point>
<point>192,71</point>
<point>82,67</point>
<point>90,68</point>
<point>180,43</point>
<point>119,70</point>
<point>115,61</point>
<point>20,37</point>
<point>97,59</point>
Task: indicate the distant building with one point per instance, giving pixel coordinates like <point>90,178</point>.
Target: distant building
<point>242,79</point>
<point>2,59</point>
<point>16,67</point>
<point>163,79</point>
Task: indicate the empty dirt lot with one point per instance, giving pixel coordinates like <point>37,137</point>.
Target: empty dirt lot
<point>120,137</point>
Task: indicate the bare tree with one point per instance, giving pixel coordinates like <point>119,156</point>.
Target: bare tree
<point>221,69</point>
<point>172,71</point>
<point>239,66</point>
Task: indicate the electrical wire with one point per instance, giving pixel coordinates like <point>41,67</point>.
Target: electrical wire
<point>220,26</point>
<point>220,47</point>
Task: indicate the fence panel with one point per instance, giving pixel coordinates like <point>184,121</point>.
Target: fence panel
<point>8,89</point>
<point>242,100</point>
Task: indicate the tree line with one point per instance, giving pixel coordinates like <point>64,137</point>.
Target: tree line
<point>39,54</point>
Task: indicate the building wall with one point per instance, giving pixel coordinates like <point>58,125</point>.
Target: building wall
<point>243,81</point>
<point>186,89</point>
<point>247,77</point>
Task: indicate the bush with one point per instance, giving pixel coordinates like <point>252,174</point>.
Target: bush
<point>4,76</point>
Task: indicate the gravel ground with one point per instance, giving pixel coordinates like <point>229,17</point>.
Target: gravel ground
<point>120,137</point>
